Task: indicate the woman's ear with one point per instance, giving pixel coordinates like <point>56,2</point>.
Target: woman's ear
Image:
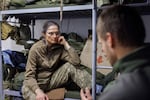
<point>110,40</point>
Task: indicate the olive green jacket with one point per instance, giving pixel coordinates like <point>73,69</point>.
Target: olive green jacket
<point>133,79</point>
<point>43,61</point>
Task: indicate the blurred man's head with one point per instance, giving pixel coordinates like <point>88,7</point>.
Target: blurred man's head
<point>119,26</point>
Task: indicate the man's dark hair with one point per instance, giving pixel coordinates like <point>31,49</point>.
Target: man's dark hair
<point>47,24</point>
<point>124,23</point>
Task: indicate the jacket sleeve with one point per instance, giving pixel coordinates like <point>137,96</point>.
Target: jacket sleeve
<point>71,56</point>
<point>30,74</point>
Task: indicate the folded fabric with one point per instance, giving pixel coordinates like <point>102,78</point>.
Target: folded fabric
<point>98,89</point>
<point>7,59</point>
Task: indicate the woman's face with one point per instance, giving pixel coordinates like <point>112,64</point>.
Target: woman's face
<point>52,34</point>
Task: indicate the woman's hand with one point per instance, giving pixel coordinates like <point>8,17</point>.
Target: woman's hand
<point>85,94</point>
<point>62,41</point>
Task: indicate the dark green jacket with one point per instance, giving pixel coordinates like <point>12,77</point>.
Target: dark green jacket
<point>133,81</point>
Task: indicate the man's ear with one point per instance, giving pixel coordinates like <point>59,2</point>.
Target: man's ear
<point>110,40</point>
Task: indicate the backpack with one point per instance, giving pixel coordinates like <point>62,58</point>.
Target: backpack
<point>7,30</point>
<point>17,81</point>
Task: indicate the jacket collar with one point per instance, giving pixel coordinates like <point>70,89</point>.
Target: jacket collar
<point>133,60</point>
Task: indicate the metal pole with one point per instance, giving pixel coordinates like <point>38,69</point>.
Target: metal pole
<point>1,70</point>
<point>94,46</point>
<point>121,1</point>
<point>32,25</point>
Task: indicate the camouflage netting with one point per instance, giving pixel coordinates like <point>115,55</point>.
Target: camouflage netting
<point>1,4</point>
<point>4,4</point>
<point>16,4</point>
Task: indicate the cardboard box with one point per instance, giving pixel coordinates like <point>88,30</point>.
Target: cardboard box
<point>86,57</point>
<point>56,94</point>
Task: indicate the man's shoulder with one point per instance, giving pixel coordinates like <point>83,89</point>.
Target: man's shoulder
<point>135,81</point>
<point>128,86</point>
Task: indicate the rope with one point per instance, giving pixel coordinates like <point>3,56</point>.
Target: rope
<point>3,5</point>
<point>61,13</point>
